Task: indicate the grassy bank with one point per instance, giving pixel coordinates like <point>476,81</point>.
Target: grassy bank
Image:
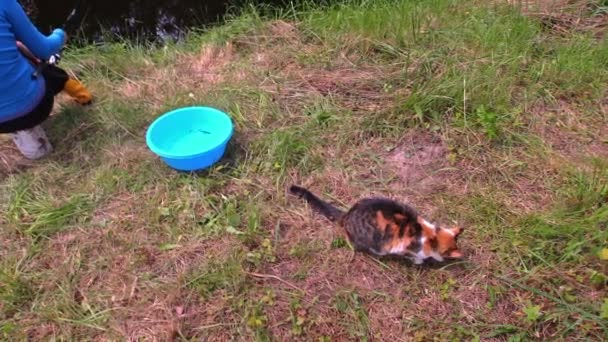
<point>494,116</point>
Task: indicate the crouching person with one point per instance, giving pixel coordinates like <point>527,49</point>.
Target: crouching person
<point>27,92</point>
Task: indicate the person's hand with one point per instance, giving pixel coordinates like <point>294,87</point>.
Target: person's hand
<point>58,31</point>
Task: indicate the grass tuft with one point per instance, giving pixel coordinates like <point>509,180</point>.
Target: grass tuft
<point>574,230</point>
<point>39,215</point>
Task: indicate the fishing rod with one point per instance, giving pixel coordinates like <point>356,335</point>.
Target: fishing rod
<point>72,22</point>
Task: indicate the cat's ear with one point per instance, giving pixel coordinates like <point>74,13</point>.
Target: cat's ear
<point>457,230</point>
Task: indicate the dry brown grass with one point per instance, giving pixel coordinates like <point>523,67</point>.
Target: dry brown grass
<point>419,159</point>
<point>11,161</point>
<point>565,130</point>
<point>206,69</point>
<point>358,88</point>
<point>566,24</point>
<point>564,17</point>
<point>114,272</point>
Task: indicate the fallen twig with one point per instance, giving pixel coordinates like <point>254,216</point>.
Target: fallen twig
<point>270,276</point>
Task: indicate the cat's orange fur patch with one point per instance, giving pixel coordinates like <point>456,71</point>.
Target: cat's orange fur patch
<point>428,230</point>
<point>397,244</point>
<point>399,217</point>
<point>445,239</point>
<point>427,248</point>
<point>381,221</point>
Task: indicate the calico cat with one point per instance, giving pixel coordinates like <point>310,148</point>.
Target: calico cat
<point>383,226</point>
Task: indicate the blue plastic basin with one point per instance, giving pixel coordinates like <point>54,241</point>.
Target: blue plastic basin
<point>190,138</point>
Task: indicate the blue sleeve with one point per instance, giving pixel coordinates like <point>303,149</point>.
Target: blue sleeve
<point>41,46</point>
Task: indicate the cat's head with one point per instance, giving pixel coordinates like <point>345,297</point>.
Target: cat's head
<point>440,243</point>
<point>447,242</point>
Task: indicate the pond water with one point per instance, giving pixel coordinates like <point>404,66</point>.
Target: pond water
<point>143,19</point>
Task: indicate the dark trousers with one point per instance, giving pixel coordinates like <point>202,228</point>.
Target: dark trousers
<point>54,80</point>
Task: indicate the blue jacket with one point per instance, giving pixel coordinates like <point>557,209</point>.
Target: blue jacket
<point>19,93</point>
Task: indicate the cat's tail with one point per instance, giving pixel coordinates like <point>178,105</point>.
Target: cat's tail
<point>328,210</point>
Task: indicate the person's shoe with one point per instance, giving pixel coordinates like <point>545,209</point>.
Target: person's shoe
<point>32,143</point>
<point>78,91</point>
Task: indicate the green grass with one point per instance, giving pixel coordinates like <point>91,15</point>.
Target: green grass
<point>356,321</point>
<point>224,275</point>
<point>574,229</point>
<point>17,291</point>
<point>39,215</point>
<point>471,59</point>
<point>565,238</point>
<point>102,240</point>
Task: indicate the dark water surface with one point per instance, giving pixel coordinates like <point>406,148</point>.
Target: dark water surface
<point>142,19</point>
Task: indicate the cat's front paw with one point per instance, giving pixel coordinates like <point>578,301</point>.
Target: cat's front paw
<point>437,257</point>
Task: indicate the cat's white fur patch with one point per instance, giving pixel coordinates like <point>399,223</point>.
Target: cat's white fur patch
<point>428,224</point>
<point>421,255</point>
<point>436,256</point>
<point>401,248</point>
